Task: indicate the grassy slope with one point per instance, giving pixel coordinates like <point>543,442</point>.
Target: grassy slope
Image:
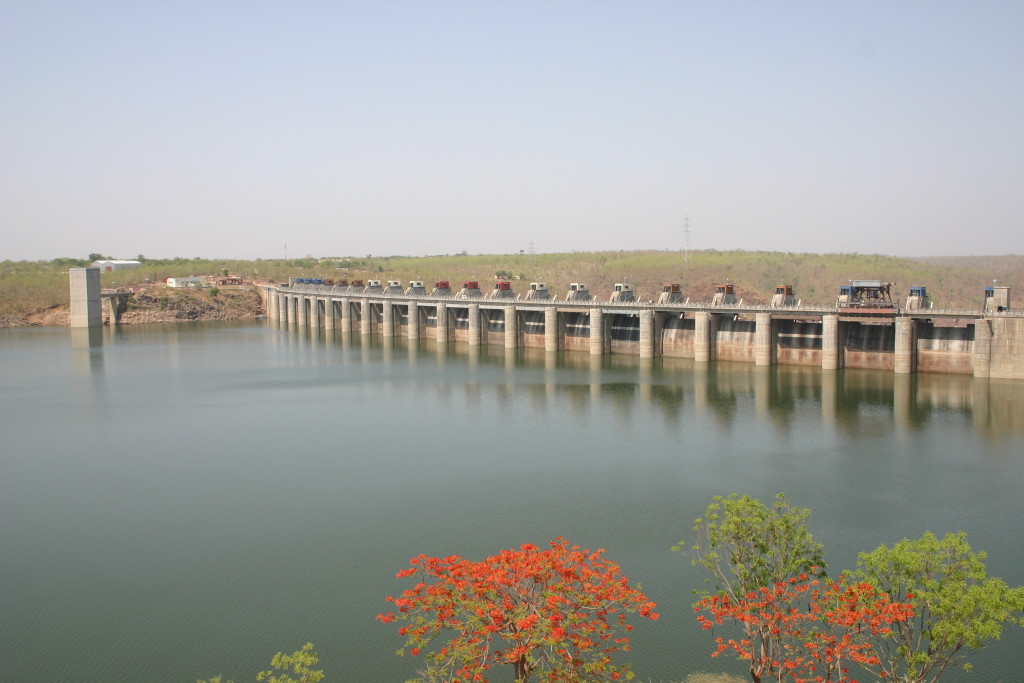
<point>955,282</point>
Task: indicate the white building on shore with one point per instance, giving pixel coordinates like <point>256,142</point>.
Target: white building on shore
<point>110,265</point>
<point>191,281</point>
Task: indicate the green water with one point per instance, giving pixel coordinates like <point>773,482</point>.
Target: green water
<point>183,501</point>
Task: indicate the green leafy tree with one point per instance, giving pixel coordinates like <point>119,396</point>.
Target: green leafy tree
<point>958,607</point>
<point>299,663</point>
<point>65,262</point>
<point>748,547</point>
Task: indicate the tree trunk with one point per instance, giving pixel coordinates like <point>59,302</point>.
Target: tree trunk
<point>521,672</point>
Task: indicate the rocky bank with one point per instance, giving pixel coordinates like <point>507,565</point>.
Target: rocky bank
<point>161,304</point>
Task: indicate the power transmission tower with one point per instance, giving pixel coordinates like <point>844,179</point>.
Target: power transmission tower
<point>686,241</point>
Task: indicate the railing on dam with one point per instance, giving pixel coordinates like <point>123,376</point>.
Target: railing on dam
<point>627,306</point>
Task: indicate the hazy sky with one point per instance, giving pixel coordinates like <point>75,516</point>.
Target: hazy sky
<point>227,129</point>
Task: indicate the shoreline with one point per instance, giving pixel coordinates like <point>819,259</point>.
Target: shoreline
<point>158,305</point>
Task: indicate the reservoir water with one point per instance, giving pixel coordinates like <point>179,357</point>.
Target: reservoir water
<point>182,501</point>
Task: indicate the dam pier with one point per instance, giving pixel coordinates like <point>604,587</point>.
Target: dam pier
<point>981,343</point>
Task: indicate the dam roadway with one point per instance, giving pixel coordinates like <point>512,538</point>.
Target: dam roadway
<point>966,342</point>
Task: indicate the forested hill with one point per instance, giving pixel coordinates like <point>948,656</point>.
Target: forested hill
<point>953,282</point>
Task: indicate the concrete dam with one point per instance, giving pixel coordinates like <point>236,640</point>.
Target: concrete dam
<point>984,344</point>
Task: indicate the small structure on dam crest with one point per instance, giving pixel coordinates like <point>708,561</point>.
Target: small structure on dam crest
<point>918,299</point>
<point>725,295</point>
<point>783,297</point>
<point>470,290</point>
<point>502,290</point>
<point>441,288</point>
<point>670,294</point>
<point>416,288</point>
<point>622,292</point>
<point>997,299</point>
<point>538,290</point>
<point>866,296</point>
<point>394,287</point>
<point>578,292</point>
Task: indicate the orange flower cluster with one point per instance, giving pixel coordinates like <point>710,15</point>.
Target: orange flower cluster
<point>552,612</point>
<point>806,630</point>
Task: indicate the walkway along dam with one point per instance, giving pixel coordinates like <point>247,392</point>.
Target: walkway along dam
<point>979,343</point>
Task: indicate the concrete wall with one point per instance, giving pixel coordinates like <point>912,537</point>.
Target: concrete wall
<point>623,333</point>
<point>86,307</point>
<point>868,347</point>
<point>492,326</point>
<point>734,340</point>
<point>375,313</point>
<point>947,350</point>
<point>677,336</point>
<point>532,329</point>
<point>1007,348</point>
<point>458,324</point>
<point>429,314</point>
<point>401,321</point>
<point>576,330</point>
<point>798,343</point>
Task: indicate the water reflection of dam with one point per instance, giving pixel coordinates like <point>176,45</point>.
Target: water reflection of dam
<point>983,345</point>
<point>572,386</point>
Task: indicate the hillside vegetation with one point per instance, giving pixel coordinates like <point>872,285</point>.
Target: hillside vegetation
<point>27,287</point>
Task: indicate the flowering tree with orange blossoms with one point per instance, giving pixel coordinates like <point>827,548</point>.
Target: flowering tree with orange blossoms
<point>556,614</point>
<point>806,629</point>
<point>747,547</point>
